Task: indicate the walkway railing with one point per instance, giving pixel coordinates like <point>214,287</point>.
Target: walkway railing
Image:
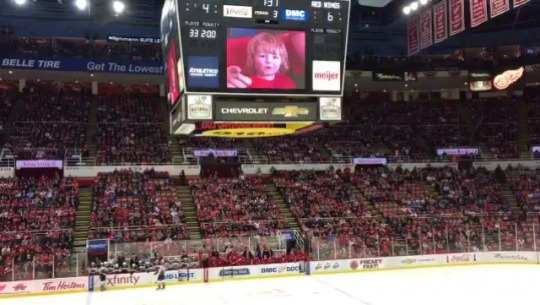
<point>262,160</point>
<point>443,235</point>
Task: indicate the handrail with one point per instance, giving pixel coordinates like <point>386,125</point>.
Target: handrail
<point>38,232</point>
<point>48,122</point>
<point>256,159</point>
<point>134,228</point>
<point>7,163</point>
<point>422,216</point>
<point>91,161</point>
<point>130,123</point>
<point>19,149</point>
<point>246,222</point>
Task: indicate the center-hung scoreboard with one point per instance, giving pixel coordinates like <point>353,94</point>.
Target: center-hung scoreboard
<point>273,63</point>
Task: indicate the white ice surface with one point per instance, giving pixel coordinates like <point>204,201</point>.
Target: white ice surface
<point>479,285</point>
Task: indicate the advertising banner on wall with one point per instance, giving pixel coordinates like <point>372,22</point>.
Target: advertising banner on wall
<point>20,164</point>
<point>81,65</point>
<point>370,161</point>
<point>476,75</point>
<point>215,152</point>
<point>461,151</point>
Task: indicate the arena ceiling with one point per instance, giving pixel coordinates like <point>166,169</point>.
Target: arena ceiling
<point>371,20</point>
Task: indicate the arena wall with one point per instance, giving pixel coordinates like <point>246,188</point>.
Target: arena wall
<point>265,169</point>
<point>211,275</point>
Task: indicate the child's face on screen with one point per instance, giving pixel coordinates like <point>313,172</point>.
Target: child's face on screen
<point>267,62</point>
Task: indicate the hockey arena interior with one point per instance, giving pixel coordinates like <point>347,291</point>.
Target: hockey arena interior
<point>258,151</point>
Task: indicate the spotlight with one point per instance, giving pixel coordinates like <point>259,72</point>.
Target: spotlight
<point>414,6</point>
<point>81,4</point>
<point>20,2</point>
<point>406,10</point>
<point>423,2</point>
<point>118,7</point>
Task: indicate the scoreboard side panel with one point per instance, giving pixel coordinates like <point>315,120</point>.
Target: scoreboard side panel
<point>172,53</point>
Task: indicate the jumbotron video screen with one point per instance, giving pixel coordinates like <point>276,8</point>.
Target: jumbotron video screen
<point>256,61</point>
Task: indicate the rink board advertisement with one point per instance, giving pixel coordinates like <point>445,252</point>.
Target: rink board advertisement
<point>72,284</point>
<point>508,257</point>
<point>137,279</point>
<point>140,280</point>
<point>256,271</point>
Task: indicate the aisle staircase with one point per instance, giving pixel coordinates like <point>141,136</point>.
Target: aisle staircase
<point>82,220</point>
<point>290,221</point>
<point>174,149</point>
<point>375,213</point>
<point>465,119</point>
<point>523,128</point>
<point>10,120</point>
<point>515,208</point>
<point>91,130</point>
<point>471,126</point>
<point>398,241</point>
<point>190,211</point>
<point>166,116</point>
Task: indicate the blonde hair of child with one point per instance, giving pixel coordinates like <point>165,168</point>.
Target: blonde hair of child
<point>266,42</point>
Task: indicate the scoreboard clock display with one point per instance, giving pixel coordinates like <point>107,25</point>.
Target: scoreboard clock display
<point>260,47</point>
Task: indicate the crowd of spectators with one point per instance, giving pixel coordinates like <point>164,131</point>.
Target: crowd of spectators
<point>298,149</point>
<point>433,210</point>
<point>54,107</point>
<point>526,188</point>
<point>136,206</point>
<point>37,217</point>
<point>130,131</point>
<point>235,207</point>
<point>401,131</point>
<point>440,125</point>
<point>7,99</point>
<point>534,123</point>
<point>496,123</point>
<point>242,254</point>
<point>128,109</point>
<point>433,191</point>
<point>233,253</point>
<point>314,196</point>
<point>395,193</point>
<point>48,123</point>
<point>42,140</point>
<point>80,48</point>
<point>330,211</point>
